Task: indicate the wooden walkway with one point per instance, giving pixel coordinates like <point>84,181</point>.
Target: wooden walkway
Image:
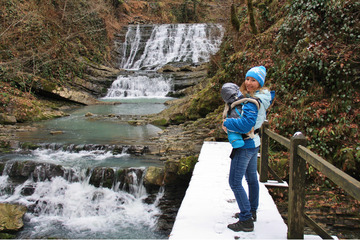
<point>209,204</point>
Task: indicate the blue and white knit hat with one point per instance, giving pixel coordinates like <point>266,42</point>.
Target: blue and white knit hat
<point>259,73</point>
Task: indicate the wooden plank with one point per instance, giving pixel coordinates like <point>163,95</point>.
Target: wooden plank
<point>280,139</point>
<point>314,226</point>
<point>296,189</point>
<point>343,180</point>
<point>275,175</point>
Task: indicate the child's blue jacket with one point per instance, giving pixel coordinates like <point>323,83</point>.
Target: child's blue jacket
<point>251,117</point>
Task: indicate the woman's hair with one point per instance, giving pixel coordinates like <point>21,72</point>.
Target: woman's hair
<point>246,93</point>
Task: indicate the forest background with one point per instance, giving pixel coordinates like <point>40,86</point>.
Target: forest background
<point>310,48</point>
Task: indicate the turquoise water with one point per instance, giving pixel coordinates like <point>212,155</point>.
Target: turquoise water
<point>100,129</point>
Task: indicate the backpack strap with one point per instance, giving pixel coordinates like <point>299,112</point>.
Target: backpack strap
<point>227,107</point>
<point>255,101</point>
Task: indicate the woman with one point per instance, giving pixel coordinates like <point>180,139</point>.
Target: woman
<point>244,159</point>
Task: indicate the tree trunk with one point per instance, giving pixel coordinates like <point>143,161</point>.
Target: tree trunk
<point>234,19</point>
<point>251,17</point>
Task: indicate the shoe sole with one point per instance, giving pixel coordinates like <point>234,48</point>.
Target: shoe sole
<point>243,230</point>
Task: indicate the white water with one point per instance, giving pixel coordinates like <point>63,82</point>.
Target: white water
<point>80,210</point>
<point>139,86</point>
<point>167,43</point>
<point>62,209</point>
<point>193,43</point>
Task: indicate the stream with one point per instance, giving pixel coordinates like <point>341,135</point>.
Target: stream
<point>63,202</point>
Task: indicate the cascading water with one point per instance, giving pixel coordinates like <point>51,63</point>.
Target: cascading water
<point>70,206</point>
<point>139,86</point>
<point>63,193</point>
<point>193,43</point>
<point>150,47</point>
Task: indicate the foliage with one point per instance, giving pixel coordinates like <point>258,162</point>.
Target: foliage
<point>44,40</point>
<point>317,75</point>
<point>186,165</point>
<point>188,11</point>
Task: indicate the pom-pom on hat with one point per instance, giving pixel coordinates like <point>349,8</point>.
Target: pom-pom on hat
<point>259,73</point>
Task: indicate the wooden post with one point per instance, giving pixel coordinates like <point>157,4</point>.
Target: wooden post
<point>264,154</point>
<point>296,189</point>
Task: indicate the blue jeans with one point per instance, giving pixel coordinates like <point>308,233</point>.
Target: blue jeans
<point>244,162</point>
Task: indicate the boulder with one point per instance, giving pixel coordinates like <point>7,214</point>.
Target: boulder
<point>129,178</point>
<point>154,176</point>
<point>21,171</point>
<point>11,217</point>
<point>102,177</point>
<point>171,169</point>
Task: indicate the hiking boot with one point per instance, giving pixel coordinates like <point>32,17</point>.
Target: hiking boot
<point>253,215</point>
<point>245,226</point>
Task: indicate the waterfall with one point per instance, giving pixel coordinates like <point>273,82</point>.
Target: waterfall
<point>139,86</point>
<point>167,43</point>
<point>150,47</point>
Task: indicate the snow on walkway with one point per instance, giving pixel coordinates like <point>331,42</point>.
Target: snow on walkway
<point>209,204</point>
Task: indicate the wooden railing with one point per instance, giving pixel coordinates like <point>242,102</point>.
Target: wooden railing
<point>299,156</point>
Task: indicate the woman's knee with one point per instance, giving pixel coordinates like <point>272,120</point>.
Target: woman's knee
<point>235,185</point>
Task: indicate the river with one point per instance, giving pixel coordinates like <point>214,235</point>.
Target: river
<point>70,206</point>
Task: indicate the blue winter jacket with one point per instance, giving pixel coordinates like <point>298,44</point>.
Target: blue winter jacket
<point>251,117</point>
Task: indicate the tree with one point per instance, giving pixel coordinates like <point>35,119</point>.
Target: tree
<point>234,19</point>
<point>251,17</point>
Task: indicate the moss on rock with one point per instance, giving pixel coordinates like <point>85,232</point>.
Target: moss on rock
<point>186,165</point>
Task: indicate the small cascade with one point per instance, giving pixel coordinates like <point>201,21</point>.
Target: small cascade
<point>89,148</point>
<point>151,47</point>
<point>59,207</point>
<point>140,86</point>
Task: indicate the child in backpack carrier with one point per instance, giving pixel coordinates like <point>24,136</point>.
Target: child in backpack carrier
<point>234,101</point>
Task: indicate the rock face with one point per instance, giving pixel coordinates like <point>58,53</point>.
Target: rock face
<point>86,90</point>
<point>75,96</point>
<point>11,217</point>
<point>184,76</point>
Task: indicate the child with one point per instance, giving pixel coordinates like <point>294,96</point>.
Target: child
<point>234,100</point>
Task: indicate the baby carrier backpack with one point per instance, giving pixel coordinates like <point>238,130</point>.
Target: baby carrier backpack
<point>234,101</point>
